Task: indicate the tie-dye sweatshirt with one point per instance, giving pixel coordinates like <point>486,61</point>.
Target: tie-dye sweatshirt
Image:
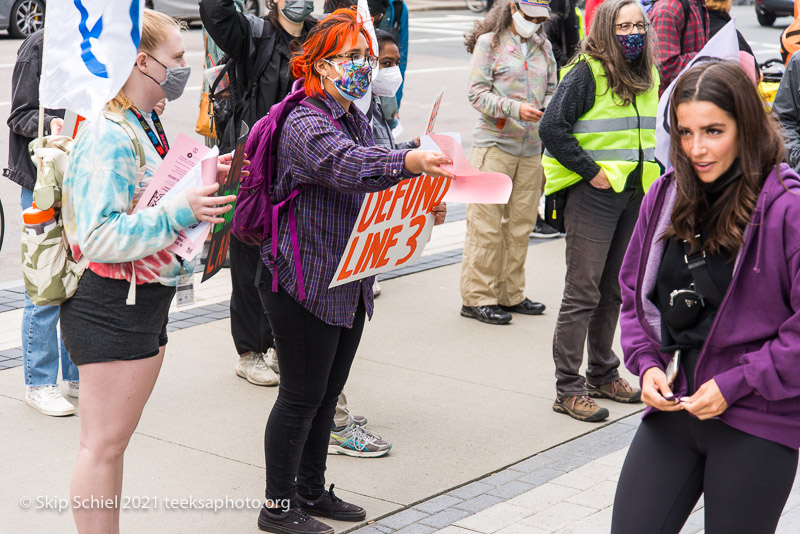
<point>100,188</point>
<point>501,79</point>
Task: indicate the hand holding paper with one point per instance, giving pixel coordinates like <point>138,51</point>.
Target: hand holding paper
<point>470,185</point>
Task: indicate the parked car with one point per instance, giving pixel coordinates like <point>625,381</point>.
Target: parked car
<point>768,10</point>
<point>23,17</point>
<point>189,10</point>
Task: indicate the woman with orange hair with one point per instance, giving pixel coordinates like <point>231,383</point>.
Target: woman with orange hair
<point>328,155</point>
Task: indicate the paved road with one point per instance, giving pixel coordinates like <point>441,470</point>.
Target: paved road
<point>437,60</point>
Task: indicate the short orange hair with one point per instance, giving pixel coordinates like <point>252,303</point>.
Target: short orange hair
<point>324,40</point>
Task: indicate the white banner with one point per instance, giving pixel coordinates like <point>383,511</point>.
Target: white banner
<point>724,45</point>
<point>90,48</point>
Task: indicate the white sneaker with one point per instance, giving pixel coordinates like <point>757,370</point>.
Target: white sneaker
<point>48,400</point>
<point>272,360</point>
<point>253,368</point>
<point>376,288</point>
<point>73,388</point>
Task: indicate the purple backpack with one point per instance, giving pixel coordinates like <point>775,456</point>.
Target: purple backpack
<point>255,217</point>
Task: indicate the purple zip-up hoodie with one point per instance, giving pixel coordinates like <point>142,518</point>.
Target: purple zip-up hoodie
<point>753,348</point>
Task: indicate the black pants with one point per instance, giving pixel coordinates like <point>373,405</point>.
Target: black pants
<point>674,458</point>
<point>249,324</point>
<point>599,225</point>
<point>315,360</point>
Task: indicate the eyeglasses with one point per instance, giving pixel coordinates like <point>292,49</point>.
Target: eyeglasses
<point>627,27</point>
<point>358,59</point>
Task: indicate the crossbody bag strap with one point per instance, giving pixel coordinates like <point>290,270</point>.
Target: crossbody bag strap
<point>698,268</point>
<point>141,161</point>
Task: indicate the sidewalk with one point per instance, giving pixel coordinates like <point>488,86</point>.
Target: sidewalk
<point>477,447</point>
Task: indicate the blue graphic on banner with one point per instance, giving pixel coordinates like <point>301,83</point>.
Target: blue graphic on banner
<point>92,63</point>
<point>135,36</point>
<point>89,59</point>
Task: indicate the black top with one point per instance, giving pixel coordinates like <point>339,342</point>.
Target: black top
<point>574,96</point>
<point>673,273</point>
<point>252,43</point>
<point>23,120</point>
<point>563,31</point>
<point>717,20</point>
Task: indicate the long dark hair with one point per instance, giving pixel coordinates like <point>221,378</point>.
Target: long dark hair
<point>626,79</point>
<point>727,86</point>
<point>497,21</point>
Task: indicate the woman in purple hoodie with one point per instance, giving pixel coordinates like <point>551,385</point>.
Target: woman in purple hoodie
<point>711,318</point>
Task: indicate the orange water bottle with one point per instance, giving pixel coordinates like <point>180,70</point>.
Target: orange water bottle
<point>38,221</point>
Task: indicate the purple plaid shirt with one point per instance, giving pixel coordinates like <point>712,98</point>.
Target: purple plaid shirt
<point>335,169</point>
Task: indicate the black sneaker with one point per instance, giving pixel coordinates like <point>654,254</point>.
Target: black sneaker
<point>542,230</point>
<point>330,506</point>
<point>294,521</point>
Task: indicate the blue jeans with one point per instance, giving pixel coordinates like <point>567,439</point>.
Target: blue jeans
<point>40,342</point>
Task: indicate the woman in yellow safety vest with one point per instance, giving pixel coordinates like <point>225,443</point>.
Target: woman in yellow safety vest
<point>599,136</point>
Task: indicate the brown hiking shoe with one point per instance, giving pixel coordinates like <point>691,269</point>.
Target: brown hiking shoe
<point>619,390</point>
<point>580,407</point>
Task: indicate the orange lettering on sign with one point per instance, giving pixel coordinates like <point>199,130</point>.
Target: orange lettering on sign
<point>375,249</point>
<point>411,197</point>
<point>381,216</point>
<point>345,273</point>
<point>365,221</point>
<point>427,191</point>
<point>360,266</point>
<point>400,192</point>
<point>390,242</point>
<point>419,222</point>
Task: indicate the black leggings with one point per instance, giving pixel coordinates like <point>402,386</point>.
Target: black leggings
<point>674,458</point>
<point>315,360</point>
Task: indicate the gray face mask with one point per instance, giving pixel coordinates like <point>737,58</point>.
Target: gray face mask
<point>297,10</point>
<point>174,82</point>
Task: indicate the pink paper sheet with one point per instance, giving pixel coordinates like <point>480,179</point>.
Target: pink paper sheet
<point>471,185</point>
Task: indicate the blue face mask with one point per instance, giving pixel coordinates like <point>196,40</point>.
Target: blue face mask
<point>632,45</point>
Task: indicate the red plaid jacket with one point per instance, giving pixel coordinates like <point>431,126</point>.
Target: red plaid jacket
<point>678,40</point>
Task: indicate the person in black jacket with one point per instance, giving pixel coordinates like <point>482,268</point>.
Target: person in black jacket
<point>260,48</point>
<point>40,344</point>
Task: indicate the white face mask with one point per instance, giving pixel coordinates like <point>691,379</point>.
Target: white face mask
<point>387,82</point>
<point>525,28</point>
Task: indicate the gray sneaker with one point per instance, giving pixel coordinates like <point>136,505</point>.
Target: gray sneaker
<point>253,368</point>
<point>580,407</point>
<point>358,442</point>
<point>271,358</point>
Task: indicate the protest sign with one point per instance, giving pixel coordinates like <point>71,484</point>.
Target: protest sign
<point>394,225</point>
<point>392,228</point>
<point>221,233</point>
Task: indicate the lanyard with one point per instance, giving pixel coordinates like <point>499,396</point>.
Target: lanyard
<point>159,142</point>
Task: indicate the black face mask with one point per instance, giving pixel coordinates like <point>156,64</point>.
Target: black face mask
<point>719,185</point>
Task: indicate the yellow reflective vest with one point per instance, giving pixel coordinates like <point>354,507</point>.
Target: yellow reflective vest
<point>611,134</point>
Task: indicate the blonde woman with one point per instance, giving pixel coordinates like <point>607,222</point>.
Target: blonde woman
<point>119,348</point>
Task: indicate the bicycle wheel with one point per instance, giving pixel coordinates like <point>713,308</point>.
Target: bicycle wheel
<point>477,6</point>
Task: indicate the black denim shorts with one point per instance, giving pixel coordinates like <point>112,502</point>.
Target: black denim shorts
<point>97,325</point>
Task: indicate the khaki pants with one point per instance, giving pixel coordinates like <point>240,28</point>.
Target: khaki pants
<point>493,264</point>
